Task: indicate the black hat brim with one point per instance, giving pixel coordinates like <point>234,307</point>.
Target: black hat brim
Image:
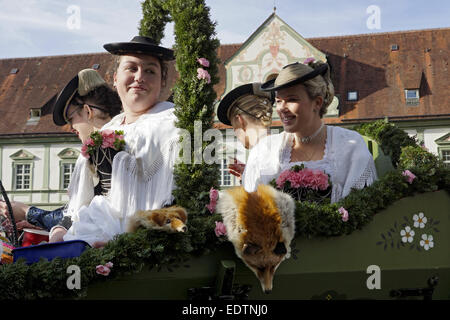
<point>270,85</point>
<point>59,108</point>
<point>122,48</point>
<point>230,97</point>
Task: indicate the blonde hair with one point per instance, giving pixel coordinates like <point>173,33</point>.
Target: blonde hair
<point>255,108</point>
<point>320,86</point>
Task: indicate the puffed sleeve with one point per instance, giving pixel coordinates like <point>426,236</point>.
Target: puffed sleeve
<point>263,163</point>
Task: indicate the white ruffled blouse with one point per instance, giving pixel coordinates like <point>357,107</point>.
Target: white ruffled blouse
<point>346,159</point>
<point>142,177</point>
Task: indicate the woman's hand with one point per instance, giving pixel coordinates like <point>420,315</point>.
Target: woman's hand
<point>19,209</point>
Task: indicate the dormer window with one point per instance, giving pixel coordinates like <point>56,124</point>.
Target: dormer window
<point>412,97</point>
<point>352,96</point>
<point>35,113</point>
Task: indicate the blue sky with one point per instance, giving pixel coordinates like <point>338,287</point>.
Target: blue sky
<point>46,27</point>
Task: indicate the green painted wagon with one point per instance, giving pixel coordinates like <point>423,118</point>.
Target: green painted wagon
<point>403,253</point>
<point>399,252</point>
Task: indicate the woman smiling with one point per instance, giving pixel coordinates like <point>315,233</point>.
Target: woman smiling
<point>303,93</point>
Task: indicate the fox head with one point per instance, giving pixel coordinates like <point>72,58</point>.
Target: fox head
<point>263,261</point>
<point>170,219</point>
<point>261,227</point>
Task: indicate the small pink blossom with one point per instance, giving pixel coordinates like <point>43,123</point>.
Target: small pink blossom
<point>220,229</point>
<point>109,137</point>
<point>89,142</point>
<point>309,60</point>
<point>213,194</point>
<point>102,270</point>
<point>204,62</point>
<point>84,151</point>
<point>109,264</point>
<point>344,214</point>
<point>409,176</point>
<point>203,74</point>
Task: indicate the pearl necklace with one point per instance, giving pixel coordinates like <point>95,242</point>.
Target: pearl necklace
<point>309,138</point>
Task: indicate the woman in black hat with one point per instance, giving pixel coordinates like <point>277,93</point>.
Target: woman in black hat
<point>142,174</point>
<point>86,103</point>
<point>303,93</point>
<point>248,110</point>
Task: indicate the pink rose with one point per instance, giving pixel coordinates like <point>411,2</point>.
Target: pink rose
<point>108,138</point>
<point>107,132</point>
<point>84,151</point>
<point>109,265</point>
<point>220,229</point>
<point>204,62</point>
<point>103,270</point>
<point>344,214</point>
<point>409,176</point>
<point>282,178</point>
<point>213,194</point>
<point>90,142</point>
<point>296,179</point>
<point>309,179</point>
<point>309,60</point>
<point>203,74</point>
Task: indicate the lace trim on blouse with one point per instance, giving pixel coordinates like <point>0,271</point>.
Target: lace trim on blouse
<point>322,164</point>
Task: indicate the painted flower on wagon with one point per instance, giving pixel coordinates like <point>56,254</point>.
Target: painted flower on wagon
<point>419,220</point>
<point>409,176</point>
<point>407,234</point>
<point>103,139</point>
<point>427,241</point>
<point>304,184</point>
<point>220,229</point>
<point>203,74</point>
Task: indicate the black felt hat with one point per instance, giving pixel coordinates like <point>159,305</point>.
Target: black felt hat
<point>142,45</point>
<point>293,74</point>
<point>84,82</point>
<point>244,90</point>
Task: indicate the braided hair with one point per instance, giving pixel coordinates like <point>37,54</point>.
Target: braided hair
<point>256,109</point>
<point>320,86</point>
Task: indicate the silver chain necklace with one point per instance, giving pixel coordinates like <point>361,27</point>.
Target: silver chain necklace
<point>309,138</point>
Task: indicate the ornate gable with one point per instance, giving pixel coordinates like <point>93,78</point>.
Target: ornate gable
<point>273,45</point>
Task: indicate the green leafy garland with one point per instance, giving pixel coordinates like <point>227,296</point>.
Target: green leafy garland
<point>155,17</point>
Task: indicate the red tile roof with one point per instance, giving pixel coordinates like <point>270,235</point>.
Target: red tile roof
<point>363,63</point>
